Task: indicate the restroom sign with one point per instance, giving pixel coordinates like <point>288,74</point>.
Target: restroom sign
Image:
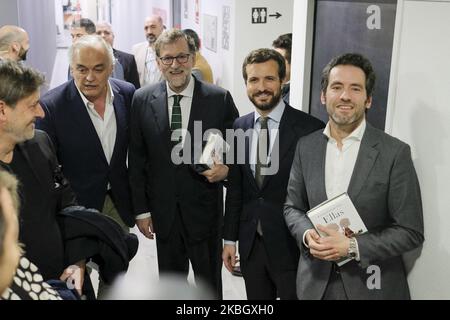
<point>259,15</point>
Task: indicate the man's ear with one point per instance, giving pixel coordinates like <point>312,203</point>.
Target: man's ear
<point>368,102</point>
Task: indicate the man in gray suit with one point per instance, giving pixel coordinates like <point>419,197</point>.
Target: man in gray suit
<point>377,172</point>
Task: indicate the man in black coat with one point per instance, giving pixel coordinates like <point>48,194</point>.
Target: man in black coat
<point>170,198</point>
<point>257,182</point>
<point>45,192</point>
<point>87,119</point>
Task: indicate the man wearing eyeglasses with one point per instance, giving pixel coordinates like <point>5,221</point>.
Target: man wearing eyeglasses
<point>182,206</point>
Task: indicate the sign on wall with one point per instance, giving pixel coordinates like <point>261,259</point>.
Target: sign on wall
<point>210,32</point>
<point>365,27</point>
<point>260,15</point>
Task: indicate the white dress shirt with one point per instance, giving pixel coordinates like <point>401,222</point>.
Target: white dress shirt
<point>273,123</point>
<point>339,164</point>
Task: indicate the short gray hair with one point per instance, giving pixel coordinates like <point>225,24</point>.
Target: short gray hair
<point>171,36</point>
<point>90,41</point>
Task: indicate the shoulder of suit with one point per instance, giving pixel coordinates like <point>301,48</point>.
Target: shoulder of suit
<point>139,45</point>
<point>241,121</point>
<point>58,92</point>
<point>210,88</point>
<point>123,85</point>
<point>123,54</point>
<point>40,137</point>
<point>154,89</point>
<point>384,139</point>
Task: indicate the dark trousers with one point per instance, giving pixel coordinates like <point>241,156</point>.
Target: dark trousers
<point>262,282</point>
<point>335,288</point>
<point>175,252</point>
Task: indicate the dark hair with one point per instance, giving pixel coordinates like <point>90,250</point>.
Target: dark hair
<point>352,59</point>
<point>263,55</point>
<point>85,23</point>
<point>8,182</point>
<point>170,36</point>
<point>18,81</point>
<point>284,42</point>
<point>194,36</point>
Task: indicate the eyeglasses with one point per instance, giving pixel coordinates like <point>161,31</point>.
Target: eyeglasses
<point>181,59</point>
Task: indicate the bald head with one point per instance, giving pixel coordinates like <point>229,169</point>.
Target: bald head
<point>14,43</point>
<point>104,30</point>
<point>153,28</point>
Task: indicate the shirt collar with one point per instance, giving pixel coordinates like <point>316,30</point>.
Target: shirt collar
<point>275,114</point>
<point>109,95</point>
<point>187,92</point>
<point>356,134</point>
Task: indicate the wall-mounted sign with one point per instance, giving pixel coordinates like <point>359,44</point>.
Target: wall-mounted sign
<point>259,15</point>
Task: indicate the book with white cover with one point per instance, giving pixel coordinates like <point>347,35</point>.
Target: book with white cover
<point>340,214</point>
<point>214,150</point>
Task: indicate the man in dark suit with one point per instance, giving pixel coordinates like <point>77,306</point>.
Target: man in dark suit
<point>126,60</point>
<point>377,172</point>
<point>87,120</point>
<point>170,198</point>
<point>254,204</point>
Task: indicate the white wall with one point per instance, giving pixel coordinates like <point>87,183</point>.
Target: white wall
<point>419,114</point>
<point>128,19</point>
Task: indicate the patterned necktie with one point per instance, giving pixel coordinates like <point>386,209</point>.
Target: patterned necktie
<point>261,151</point>
<point>175,123</point>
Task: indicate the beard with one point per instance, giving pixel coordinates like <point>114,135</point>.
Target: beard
<point>269,105</point>
<point>151,38</point>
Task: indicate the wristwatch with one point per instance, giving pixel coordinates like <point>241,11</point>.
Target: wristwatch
<point>352,250</point>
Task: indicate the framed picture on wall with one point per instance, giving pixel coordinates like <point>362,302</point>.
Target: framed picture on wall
<point>210,32</point>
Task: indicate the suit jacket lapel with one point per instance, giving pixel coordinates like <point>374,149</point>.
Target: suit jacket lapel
<point>318,177</point>
<point>364,162</point>
<point>37,162</point>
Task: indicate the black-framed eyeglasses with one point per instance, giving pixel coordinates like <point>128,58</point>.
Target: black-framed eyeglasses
<point>181,59</point>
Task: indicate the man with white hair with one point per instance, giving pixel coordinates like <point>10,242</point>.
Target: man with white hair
<point>14,43</point>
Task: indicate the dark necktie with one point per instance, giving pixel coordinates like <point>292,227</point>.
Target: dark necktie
<point>262,151</point>
<point>175,124</point>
